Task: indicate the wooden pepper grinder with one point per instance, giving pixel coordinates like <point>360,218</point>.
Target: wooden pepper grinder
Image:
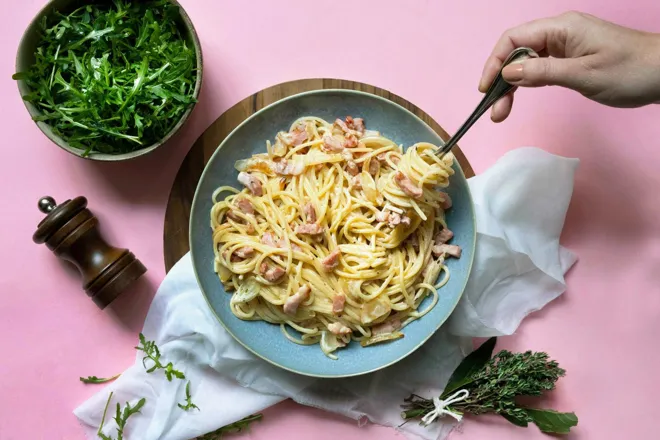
<point>70,230</point>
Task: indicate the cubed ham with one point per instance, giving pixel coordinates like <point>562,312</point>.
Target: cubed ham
<point>443,236</point>
<point>405,220</point>
<point>350,141</point>
<point>446,201</point>
<point>232,216</point>
<point>251,183</point>
<point>245,206</point>
<point>407,185</point>
<point>352,168</point>
<point>282,245</point>
<point>447,249</point>
<point>272,274</point>
<point>339,329</point>
<point>394,219</point>
<point>382,216</point>
<point>292,303</point>
<point>338,302</point>
<point>388,326</point>
<point>310,212</point>
<point>332,144</point>
<point>356,124</point>
<point>374,166</point>
<point>342,125</point>
<point>269,239</point>
<point>295,137</point>
<point>331,261</point>
<point>309,229</point>
<point>288,168</point>
<point>244,252</point>
<point>249,228</point>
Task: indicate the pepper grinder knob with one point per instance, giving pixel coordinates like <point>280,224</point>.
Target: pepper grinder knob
<point>70,230</point>
<point>47,204</point>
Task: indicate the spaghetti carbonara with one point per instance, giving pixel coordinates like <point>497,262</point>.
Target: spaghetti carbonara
<point>337,234</point>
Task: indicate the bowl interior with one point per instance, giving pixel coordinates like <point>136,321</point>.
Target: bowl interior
<point>25,58</point>
<point>266,340</point>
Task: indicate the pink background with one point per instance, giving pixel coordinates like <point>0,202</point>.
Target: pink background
<point>603,330</point>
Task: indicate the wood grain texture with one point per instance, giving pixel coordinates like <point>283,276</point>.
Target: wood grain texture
<point>177,214</point>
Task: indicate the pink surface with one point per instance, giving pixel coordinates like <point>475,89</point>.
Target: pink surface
<point>602,330</point>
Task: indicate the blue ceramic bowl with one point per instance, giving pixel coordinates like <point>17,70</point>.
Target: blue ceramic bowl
<point>265,340</point>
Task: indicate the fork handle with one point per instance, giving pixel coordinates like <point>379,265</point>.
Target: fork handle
<point>497,90</point>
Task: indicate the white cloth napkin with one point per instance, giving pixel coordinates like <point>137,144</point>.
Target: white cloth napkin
<point>519,267</point>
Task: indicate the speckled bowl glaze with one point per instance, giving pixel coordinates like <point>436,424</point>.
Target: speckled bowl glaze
<point>266,340</point>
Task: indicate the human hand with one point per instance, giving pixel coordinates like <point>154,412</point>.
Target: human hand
<point>607,63</point>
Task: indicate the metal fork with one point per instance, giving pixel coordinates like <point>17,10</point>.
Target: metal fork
<point>497,89</point>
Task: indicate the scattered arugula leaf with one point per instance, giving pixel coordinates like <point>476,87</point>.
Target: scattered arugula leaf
<point>189,405</point>
<point>112,77</point>
<point>233,428</point>
<point>495,383</point>
<point>94,379</point>
<point>121,417</point>
<point>151,350</point>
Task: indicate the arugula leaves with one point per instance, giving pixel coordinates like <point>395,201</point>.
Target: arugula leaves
<point>121,417</point>
<point>189,405</point>
<point>94,379</point>
<point>153,353</point>
<point>112,77</point>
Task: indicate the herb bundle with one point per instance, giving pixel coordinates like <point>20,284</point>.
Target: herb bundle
<point>112,77</point>
<point>492,384</point>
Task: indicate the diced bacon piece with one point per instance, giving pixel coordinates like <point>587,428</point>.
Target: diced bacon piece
<point>232,215</point>
<point>251,183</point>
<point>341,124</point>
<point>443,236</point>
<point>249,228</point>
<point>310,212</point>
<point>288,168</point>
<point>447,249</point>
<point>446,202</point>
<point>388,326</point>
<point>374,166</point>
<point>338,328</point>
<point>356,182</point>
<point>298,135</point>
<point>268,239</point>
<point>352,168</point>
<point>407,186</point>
<point>356,124</point>
<point>331,261</point>
<point>350,141</point>
<point>338,302</point>
<point>394,219</point>
<point>332,144</point>
<point>309,229</point>
<point>382,216</point>
<point>272,274</point>
<point>292,303</point>
<point>245,206</point>
<point>405,220</point>
<point>381,156</point>
<point>244,252</point>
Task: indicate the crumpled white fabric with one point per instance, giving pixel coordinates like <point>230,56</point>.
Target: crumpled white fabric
<point>519,267</point>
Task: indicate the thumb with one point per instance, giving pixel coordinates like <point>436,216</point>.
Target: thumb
<point>537,72</point>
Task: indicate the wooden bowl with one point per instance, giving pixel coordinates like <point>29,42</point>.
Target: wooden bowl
<point>25,58</point>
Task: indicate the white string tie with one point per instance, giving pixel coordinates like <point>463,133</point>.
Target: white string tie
<point>441,407</point>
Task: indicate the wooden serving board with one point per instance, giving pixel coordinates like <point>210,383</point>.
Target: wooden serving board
<point>177,214</point>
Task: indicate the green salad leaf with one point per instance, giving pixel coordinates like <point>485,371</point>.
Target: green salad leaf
<point>112,77</point>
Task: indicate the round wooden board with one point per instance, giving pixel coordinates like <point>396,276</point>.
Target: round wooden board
<point>177,214</point>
